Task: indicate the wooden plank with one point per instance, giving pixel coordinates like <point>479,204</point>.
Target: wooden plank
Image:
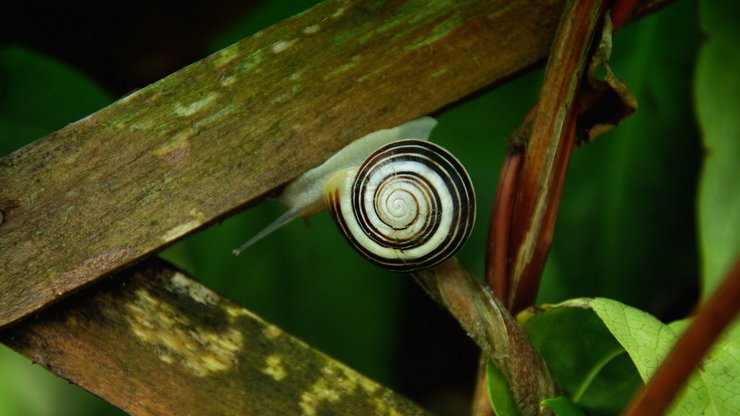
<point>155,342</point>
<point>113,188</point>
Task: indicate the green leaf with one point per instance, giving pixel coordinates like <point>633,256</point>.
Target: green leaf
<point>721,372</point>
<point>566,336</point>
<point>711,390</point>
<point>502,399</point>
<point>638,332</point>
<point>717,92</point>
<point>562,406</point>
<point>589,365</point>
<point>31,390</point>
<point>39,95</point>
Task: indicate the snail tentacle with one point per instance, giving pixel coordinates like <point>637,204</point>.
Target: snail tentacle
<point>284,219</point>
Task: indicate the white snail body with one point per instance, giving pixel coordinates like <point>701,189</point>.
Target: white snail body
<point>304,196</point>
<point>404,203</point>
<point>306,193</point>
<point>409,206</point>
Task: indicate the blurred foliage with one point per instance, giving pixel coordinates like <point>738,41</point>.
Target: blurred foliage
<point>39,95</point>
<point>27,390</point>
<point>625,229</point>
<point>717,92</point>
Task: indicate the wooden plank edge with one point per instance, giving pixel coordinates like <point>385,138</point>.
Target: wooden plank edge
<point>153,341</point>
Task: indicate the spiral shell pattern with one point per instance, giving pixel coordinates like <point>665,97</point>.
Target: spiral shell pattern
<point>409,206</point>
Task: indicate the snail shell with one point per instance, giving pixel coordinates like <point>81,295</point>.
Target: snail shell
<point>409,206</point>
<point>405,205</point>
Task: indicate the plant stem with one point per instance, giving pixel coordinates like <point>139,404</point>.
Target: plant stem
<point>548,151</point>
<point>497,257</point>
<point>497,333</point>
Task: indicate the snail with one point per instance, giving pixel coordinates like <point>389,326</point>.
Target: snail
<point>403,202</point>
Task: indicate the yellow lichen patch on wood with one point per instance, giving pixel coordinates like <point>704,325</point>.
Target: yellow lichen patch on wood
<point>215,117</point>
<point>184,228</point>
<point>335,383</point>
<point>228,81</point>
<point>353,62</point>
<point>310,30</point>
<point>142,125</point>
<point>274,367</point>
<point>282,45</point>
<point>226,55</point>
<point>176,149</point>
<point>271,331</point>
<point>235,312</point>
<point>338,13</point>
<point>192,108</point>
<point>179,230</point>
<point>199,293</point>
<point>382,407</point>
<point>71,159</point>
<point>177,340</point>
<point>252,60</point>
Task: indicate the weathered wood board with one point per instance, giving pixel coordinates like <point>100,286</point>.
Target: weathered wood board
<point>154,342</point>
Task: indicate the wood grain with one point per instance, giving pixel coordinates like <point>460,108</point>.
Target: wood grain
<point>154,342</point>
<point>171,158</point>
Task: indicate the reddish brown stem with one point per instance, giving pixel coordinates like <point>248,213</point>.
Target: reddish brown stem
<point>497,248</point>
<point>622,11</point>
<point>499,228</point>
<point>526,293</point>
<point>500,249</point>
<point>717,313</point>
<point>552,131</point>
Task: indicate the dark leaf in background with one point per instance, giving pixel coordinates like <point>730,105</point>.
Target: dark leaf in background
<point>39,95</point>
<point>717,92</point>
